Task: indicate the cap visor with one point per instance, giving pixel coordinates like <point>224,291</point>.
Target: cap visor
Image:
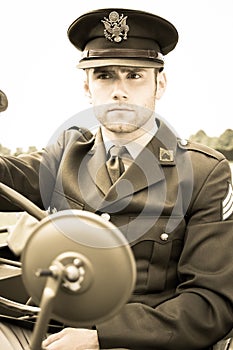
<point>92,63</point>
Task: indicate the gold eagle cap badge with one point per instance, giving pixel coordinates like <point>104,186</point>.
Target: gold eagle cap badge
<point>116,28</point>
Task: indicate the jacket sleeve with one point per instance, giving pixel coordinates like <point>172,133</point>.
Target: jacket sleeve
<point>21,174</point>
<point>28,174</point>
<point>34,175</point>
<point>201,311</point>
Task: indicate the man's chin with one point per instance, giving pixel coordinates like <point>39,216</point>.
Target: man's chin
<point>121,128</point>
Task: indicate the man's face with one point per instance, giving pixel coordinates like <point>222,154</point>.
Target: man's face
<point>123,97</point>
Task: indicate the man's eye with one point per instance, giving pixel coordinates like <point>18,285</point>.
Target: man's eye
<point>134,76</point>
<point>103,76</point>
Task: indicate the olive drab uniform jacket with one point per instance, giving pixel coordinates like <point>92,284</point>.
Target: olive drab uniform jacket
<point>174,204</point>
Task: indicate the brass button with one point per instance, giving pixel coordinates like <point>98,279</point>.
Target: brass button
<point>105,216</point>
<point>183,142</point>
<point>164,236</point>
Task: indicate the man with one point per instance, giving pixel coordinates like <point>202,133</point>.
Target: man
<point>171,198</point>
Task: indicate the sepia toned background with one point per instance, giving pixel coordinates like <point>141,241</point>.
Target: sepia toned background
<point>38,66</point>
<point>39,75</point>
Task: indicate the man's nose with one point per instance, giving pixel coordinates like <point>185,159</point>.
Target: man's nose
<point>119,91</point>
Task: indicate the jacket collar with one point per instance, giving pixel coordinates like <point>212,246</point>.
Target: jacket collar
<point>145,171</point>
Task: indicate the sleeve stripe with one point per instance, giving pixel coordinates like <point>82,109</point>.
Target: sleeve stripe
<point>227,208</point>
<point>228,196</point>
<point>228,213</point>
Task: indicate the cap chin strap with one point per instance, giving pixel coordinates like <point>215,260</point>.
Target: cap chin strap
<point>123,53</point>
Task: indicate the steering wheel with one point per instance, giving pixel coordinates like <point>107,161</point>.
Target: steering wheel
<point>21,201</point>
<point>84,262</point>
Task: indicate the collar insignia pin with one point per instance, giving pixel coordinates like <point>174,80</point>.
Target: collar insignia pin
<point>116,28</point>
<point>166,155</point>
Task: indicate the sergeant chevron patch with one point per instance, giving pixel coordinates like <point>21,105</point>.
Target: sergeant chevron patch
<point>227,204</point>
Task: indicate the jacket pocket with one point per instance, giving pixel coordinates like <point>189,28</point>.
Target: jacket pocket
<point>155,251</point>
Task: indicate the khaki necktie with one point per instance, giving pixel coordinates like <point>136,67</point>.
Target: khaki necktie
<point>115,164</point>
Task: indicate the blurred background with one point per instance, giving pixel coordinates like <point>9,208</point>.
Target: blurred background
<point>38,69</point>
<point>45,89</point>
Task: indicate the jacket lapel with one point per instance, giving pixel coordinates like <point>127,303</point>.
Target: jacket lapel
<point>147,169</point>
<point>143,172</point>
<point>96,165</point>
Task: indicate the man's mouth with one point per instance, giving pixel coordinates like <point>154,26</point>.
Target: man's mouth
<point>120,109</point>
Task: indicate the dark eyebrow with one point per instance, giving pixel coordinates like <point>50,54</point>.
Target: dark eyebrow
<point>122,69</point>
<point>102,70</point>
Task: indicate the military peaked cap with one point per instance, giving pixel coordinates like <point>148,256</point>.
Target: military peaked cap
<point>122,37</point>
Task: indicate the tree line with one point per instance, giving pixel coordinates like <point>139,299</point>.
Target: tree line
<point>19,150</point>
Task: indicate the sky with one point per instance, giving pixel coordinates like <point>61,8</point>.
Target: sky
<point>45,89</point>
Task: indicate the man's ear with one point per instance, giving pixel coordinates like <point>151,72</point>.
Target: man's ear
<point>87,90</point>
<point>161,84</point>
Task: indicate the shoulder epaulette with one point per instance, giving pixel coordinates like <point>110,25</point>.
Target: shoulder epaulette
<point>201,148</point>
<point>83,131</point>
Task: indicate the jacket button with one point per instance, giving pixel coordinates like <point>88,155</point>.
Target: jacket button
<point>164,236</point>
<point>183,142</point>
<point>105,216</point>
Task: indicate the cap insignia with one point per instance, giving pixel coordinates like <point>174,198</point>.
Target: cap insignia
<point>116,28</point>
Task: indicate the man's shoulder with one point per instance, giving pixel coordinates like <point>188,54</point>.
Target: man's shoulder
<point>200,149</point>
<point>196,150</point>
<point>80,133</point>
